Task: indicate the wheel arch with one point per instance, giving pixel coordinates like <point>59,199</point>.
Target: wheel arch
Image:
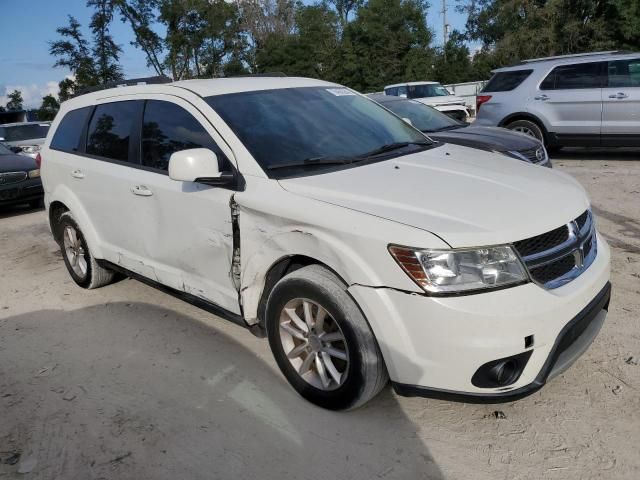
<point>524,116</point>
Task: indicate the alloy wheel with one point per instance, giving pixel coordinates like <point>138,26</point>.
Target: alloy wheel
<point>74,251</point>
<point>314,344</point>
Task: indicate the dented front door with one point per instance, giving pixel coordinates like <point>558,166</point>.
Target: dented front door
<point>187,227</point>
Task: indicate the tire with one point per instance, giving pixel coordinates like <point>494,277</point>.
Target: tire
<point>355,368</point>
<point>528,128</point>
<point>80,263</point>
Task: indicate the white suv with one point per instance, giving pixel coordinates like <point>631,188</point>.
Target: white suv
<point>432,94</point>
<point>308,213</point>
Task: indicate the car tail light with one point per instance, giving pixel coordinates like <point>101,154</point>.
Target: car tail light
<point>480,99</point>
<point>38,160</point>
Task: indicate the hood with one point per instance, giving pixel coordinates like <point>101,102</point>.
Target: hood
<point>16,163</point>
<point>27,142</point>
<point>465,196</point>
<point>487,138</point>
<point>442,100</point>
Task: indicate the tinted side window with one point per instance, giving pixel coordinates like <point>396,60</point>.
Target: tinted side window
<point>624,73</point>
<point>169,128</point>
<point>67,136</point>
<point>506,81</point>
<point>571,77</point>
<point>392,91</point>
<point>110,130</point>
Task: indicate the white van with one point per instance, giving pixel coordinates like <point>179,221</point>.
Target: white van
<point>310,214</point>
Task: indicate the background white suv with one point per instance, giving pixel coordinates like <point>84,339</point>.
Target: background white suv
<point>307,212</point>
<point>573,100</point>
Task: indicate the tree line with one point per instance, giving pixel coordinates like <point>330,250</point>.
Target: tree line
<point>364,44</point>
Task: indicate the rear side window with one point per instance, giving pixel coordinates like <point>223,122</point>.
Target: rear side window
<point>169,128</point>
<point>573,77</point>
<point>393,91</point>
<point>506,81</point>
<point>624,73</point>
<point>69,132</point>
<point>110,129</point>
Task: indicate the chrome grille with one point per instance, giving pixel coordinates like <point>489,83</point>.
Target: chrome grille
<point>533,155</point>
<point>559,256</point>
<point>12,177</point>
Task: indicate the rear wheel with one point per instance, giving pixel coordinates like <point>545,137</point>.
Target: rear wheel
<point>528,128</point>
<point>322,342</point>
<point>82,266</point>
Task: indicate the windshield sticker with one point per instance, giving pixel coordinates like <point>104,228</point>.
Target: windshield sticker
<point>340,92</point>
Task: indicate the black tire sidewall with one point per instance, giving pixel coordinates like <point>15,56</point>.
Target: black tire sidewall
<point>345,395</point>
<point>65,220</point>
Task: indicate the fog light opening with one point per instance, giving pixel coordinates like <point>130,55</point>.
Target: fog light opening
<point>503,373</point>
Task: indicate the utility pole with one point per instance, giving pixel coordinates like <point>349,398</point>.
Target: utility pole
<point>445,28</point>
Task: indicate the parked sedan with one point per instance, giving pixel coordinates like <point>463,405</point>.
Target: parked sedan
<point>19,179</point>
<point>445,129</point>
<point>24,137</point>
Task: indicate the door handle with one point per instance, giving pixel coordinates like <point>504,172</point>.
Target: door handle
<point>619,95</point>
<point>141,190</point>
<point>77,174</point>
<point>542,97</point>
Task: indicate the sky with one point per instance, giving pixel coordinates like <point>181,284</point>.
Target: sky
<point>27,27</point>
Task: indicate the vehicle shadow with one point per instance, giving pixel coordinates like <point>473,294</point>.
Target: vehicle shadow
<point>8,211</point>
<point>132,390</point>
<point>597,153</point>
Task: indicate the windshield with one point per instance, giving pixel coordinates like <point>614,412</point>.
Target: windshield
<point>422,116</point>
<point>423,91</point>
<point>18,133</point>
<point>298,125</point>
<point>4,150</point>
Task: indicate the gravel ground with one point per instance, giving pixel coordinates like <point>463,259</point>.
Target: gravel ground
<point>126,382</point>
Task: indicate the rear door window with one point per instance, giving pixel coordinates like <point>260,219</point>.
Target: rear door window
<point>69,131</point>
<point>506,81</point>
<point>111,128</point>
<point>574,77</point>
<point>169,128</point>
<point>624,73</point>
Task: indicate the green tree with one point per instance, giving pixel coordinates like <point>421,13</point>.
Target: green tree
<point>388,42</point>
<point>15,100</point>
<point>452,63</point>
<point>72,51</point>
<point>48,108</point>
<point>105,51</point>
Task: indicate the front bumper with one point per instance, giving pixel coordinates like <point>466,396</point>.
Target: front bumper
<point>433,346</point>
<point>21,192</point>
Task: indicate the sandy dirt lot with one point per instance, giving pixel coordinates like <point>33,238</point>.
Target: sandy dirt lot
<point>125,382</point>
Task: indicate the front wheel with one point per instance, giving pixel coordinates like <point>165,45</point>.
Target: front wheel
<point>322,342</point>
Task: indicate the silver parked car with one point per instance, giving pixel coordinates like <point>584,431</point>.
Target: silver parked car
<point>573,100</point>
<point>24,137</point>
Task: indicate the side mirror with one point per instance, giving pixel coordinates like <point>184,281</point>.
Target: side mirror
<point>197,165</point>
<point>407,120</point>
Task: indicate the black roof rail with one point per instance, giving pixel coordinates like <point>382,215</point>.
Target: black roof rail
<point>574,55</point>
<point>266,74</point>
<point>125,83</point>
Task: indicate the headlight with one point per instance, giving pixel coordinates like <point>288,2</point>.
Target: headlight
<point>455,271</point>
<point>30,148</point>
<point>34,173</point>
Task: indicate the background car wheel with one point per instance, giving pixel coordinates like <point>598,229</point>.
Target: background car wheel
<point>528,128</point>
<point>322,342</point>
<point>82,266</point>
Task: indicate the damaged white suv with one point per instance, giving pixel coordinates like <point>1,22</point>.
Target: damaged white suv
<point>312,215</point>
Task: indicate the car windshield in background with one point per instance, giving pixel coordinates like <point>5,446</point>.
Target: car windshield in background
<point>311,126</point>
<point>4,150</point>
<point>17,133</point>
<point>506,81</point>
<point>423,91</point>
<point>422,117</point>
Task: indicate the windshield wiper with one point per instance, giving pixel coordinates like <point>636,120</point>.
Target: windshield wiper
<point>309,162</point>
<point>391,147</point>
